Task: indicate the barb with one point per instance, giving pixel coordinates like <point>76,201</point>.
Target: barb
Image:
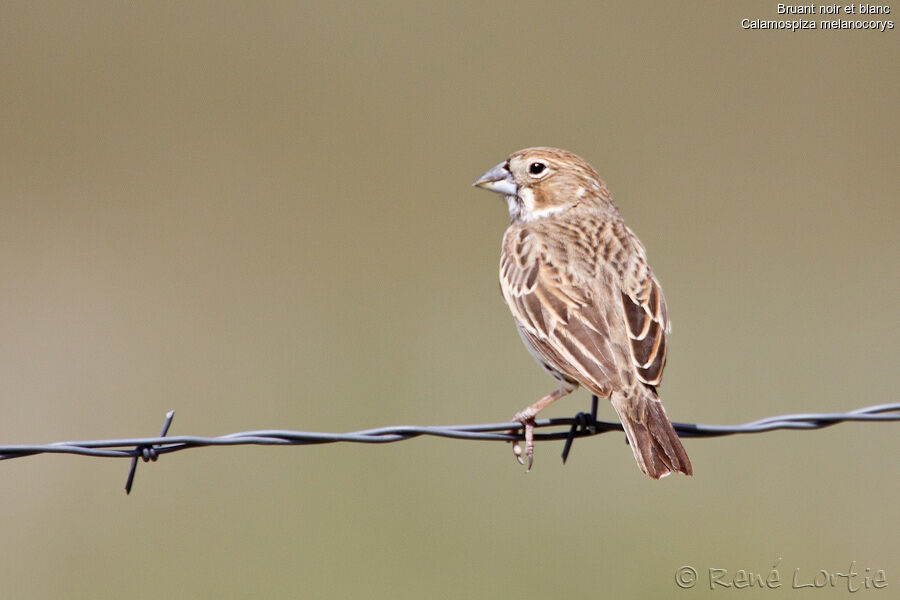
<point>581,425</point>
<point>147,452</point>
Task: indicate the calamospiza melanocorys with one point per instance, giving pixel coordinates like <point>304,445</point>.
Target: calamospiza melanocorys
<point>585,301</point>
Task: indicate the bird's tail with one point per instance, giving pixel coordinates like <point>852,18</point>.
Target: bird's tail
<point>656,446</point>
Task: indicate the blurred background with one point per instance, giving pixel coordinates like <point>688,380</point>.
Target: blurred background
<point>261,216</point>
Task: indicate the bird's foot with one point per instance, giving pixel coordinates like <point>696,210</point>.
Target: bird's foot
<point>527,421</point>
<point>526,418</point>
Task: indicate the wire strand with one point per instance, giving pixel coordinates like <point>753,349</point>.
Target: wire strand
<point>581,425</point>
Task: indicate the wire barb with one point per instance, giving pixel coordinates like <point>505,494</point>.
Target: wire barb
<point>147,453</point>
<point>582,425</point>
<point>586,422</point>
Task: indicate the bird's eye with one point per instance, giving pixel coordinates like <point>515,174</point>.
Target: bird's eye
<point>536,168</point>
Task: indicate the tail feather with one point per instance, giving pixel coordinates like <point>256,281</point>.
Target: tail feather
<point>657,448</point>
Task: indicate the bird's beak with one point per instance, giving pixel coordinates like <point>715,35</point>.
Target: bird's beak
<point>499,180</point>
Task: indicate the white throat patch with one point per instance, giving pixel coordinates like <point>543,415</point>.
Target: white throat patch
<point>527,197</point>
<point>528,212</point>
<point>544,212</point>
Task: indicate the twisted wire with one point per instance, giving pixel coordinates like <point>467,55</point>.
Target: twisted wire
<point>569,429</point>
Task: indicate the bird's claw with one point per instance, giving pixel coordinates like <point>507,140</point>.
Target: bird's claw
<point>517,450</point>
<point>528,427</point>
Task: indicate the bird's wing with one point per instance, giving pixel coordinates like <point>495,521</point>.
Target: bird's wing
<point>646,316</point>
<point>566,319</point>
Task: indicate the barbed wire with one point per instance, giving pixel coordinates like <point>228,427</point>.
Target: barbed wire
<point>581,425</point>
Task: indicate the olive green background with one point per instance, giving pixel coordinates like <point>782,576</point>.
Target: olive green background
<point>259,215</point>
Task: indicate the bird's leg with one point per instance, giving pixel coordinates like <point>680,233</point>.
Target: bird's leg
<point>526,418</point>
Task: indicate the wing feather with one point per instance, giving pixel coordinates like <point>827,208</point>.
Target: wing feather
<point>558,315</point>
<point>647,318</point>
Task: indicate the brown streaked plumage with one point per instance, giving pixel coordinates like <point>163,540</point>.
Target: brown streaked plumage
<point>584,299</point>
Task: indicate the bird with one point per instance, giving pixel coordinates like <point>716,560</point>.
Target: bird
<point>585,302</point>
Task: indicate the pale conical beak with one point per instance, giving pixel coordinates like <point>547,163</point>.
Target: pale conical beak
<point>499,180</point>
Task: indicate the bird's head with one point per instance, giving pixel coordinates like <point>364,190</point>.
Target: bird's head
<point>540,182</point>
